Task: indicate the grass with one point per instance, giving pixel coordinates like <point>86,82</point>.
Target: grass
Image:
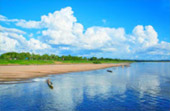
<point>41,62</point>
<point>76,61</point>
<point>95,62</point>
<point>25,62</point>
<point>113,61</point>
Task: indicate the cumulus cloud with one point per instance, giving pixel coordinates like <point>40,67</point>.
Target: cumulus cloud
<point>28,24</point>
<point>36,44</point>
<point>161,49</point>
<point>7,44</point>
<point>5,19</point>
<point>61,26</point>
<point>144,36</point>
<point>62,29</point>
<point>99,37</point>
<point>3,29</point>
<point>12,39</point>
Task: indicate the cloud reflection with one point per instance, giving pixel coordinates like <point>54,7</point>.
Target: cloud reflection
<point>72,90</point>
<point>69,90</point>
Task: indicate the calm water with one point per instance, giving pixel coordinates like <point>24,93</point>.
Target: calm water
<point>141,87</point>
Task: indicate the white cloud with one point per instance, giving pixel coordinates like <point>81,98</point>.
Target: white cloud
<point>160,49</point>
<point>96,37</point>
<point>7,44</point>
<point>62,19</point>
<point>28,24</point>
<point>108,40</point>
<point>78,29</point>
<point>62,28</point>
<point>109,49</point>
<point>37,45</point>
<point>5,19</point>
<point>164,45</point>
<point>64,48</point>
<point>58,37</point>
<point>3,29</point>
<point>144,36</point>
<point>12,39</point>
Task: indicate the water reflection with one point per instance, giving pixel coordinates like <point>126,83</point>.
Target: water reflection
<point>75,89</point>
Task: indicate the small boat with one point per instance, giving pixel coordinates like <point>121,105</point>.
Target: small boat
<point>50,84</point>
<point>127,65</point>
<point>109,71</point>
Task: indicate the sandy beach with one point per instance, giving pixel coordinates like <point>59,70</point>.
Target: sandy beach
<point>21,72</point>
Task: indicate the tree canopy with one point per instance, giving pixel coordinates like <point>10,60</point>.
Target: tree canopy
<point>32,56</point>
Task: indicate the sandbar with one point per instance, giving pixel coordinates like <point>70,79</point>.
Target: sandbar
<point>21,72</point>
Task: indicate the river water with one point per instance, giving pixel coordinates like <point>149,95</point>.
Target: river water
<point>140,87</point>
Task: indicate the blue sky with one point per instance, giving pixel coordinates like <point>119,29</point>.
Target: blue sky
<point>127,29</point>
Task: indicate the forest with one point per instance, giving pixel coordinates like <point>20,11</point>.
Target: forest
<point>31,58</point>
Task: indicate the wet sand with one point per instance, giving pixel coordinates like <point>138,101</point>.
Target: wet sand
<point>21,72</point>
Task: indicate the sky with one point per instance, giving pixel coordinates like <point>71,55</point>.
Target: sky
<point>124,29</point>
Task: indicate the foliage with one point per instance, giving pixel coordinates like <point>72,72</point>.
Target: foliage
<point>31,58</point>
<point>96,62</point>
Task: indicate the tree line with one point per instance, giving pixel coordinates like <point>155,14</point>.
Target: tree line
<point>32,56</point>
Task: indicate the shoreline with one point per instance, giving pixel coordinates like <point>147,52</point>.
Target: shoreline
<point>22,72</point>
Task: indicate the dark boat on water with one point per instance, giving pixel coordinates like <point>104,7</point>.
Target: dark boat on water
<point>50,84</point>
<point>109,71</point>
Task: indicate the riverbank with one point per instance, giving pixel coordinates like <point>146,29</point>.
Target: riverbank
<point>21,72</point>
<point>54,62</point>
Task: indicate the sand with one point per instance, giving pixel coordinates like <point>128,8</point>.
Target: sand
<point>21,72</point>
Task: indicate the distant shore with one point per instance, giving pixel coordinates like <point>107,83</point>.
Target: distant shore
<point>21,72</point>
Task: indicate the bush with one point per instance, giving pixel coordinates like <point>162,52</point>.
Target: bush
<point>96,62</point>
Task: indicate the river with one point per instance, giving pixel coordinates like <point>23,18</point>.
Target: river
<point>140,87</point>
